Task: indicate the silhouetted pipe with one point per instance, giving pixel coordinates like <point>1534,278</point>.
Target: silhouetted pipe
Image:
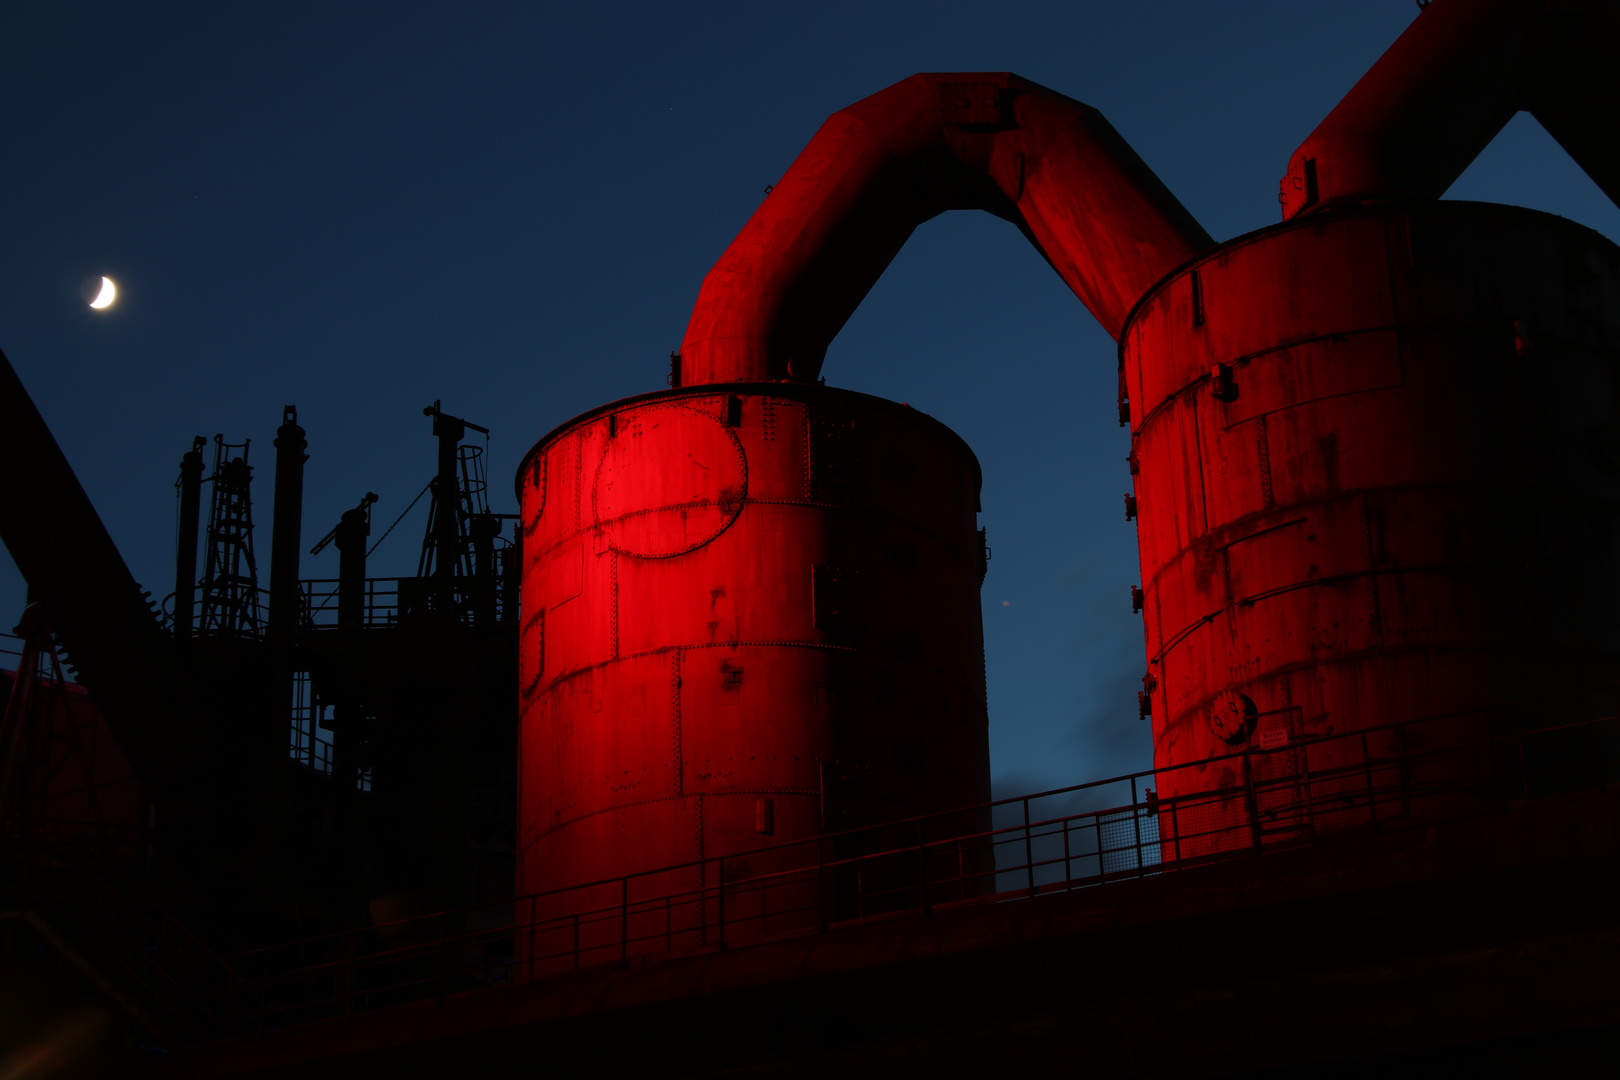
<point>1449,84</point>
<point>286,528</point>
<point>512,573</point>
<point>350,536</point>
<point>185,554</point>
<point>484,529</point>
<point>450,430</point>
<point>447,490</point>
<point>878,169</point>
<point>62,549</point>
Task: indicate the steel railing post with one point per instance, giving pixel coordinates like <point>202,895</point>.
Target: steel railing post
<point>1136,822</point>
<point>821,882</point>
<point>1096,829</point>
<point>1068,871</point>
<point>1405,809</point>
<point>1366,765</point>
<point>1305,776</point>
<point>624,920</point>
<point>1252,801</point>
<point>1175,823</point>
<point>1029,850</point>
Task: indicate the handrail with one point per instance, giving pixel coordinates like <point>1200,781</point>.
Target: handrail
<point>1124,778</point>
<point>387,600</point>
<point>1038,844</point>
<point>934,861</point>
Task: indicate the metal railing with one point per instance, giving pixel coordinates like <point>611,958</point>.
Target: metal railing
<point>387,601</point>
<point>1077,837</point>
<point>248,622</point>
<point>318,601</point>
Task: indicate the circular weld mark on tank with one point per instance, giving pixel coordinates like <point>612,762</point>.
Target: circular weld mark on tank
<point>1233,717</point>
<point>671,479</point>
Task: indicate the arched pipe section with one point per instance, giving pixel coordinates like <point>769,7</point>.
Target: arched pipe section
<point>1449,84</point>
<point>875,171</point>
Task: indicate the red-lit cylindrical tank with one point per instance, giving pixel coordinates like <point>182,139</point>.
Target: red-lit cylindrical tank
<point>1377,458</point>
<point>750,613</point>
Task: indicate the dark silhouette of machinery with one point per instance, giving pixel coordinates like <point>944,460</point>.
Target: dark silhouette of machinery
<point>292,741</point>
<point>1374,469</point>
<point>230,583</point>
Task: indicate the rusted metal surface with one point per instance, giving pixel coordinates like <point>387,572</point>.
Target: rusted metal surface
<point>743,607</point>
<point>1447,85</point>
<point>1407,503</point>
<point>878,169</point>
<point>1370,452</point>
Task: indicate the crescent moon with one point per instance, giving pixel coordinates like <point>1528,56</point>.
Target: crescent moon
<point>108,293</point>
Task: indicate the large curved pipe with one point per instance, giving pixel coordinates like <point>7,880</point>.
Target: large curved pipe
<point>1447,85</point>
<point>883,166</point>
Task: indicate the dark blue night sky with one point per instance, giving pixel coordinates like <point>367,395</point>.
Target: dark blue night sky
<point>362,208</point>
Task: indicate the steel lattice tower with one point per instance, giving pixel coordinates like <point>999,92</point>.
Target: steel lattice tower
<point>230,585</point>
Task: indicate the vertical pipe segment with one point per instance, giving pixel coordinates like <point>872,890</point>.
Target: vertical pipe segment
<point>185,556</point>
<point>483,530</point>
<point>447,494</point>
<point>348,722</point>
<point>1449,84</point>
<point>352,532</point>
<point>285,531</point>
<point>876,170</point>
<point>449,430</point>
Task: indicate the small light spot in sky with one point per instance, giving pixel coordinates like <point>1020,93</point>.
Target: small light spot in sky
<point>1006,603</point>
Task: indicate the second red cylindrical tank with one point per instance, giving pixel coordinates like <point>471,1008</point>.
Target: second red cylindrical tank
<point>1377,461</point>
